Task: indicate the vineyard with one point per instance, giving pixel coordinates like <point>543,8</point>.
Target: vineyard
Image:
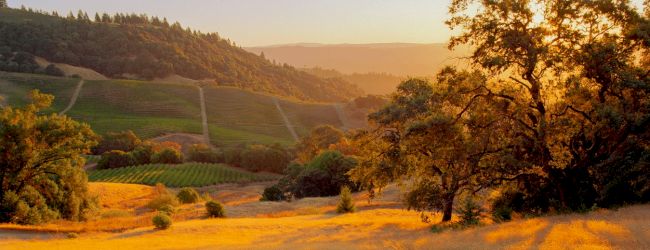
<point>183,175</point>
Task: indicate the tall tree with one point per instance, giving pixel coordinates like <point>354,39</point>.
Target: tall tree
<point>442,138</point>
<point>41,174</point>
<point>584,101</point>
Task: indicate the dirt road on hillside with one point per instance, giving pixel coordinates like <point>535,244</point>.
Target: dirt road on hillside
<point>74,97</point>
<point>285,118</point>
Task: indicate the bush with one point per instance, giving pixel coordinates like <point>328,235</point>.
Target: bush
<point>274,158</point>
<point>470,212</point>
<point>204,153</point>
<point>116,159</point>
<point>324,176</point>
<point>72,235</point>
<point>162,221</point>
<point>168,156</point>
<point>273,193</point>
<point>124,141</point>
<point>346,205</point>
<point>163,198</point>
<point>167,209</point>
<point>188,195</point>
<point>215,209</point>
<point>53,70</point>
<point>507,202</point>
<point>232,156</point>
<point>143,153</point>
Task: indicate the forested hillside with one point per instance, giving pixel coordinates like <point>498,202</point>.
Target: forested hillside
<point>138,46</point>
<point>371,83</point>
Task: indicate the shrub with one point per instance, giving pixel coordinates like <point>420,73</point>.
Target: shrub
<point>215,209</point>
<point>506,203</point>
<point>124,141</point>
<point>116,159</point>
<point>274,158</point>
<point>72,235</point>
<point>273,193</point>
<point>188,195</point>
<point>232,156</point>
<point>470,212</point>
<point>163,198</point>
<point>204,153</point>
<point>162,221</point>
<point>53,70</point>
<point>143,153</point>
<point>167,209</point>
<point>324,176</point>
<point>346,205</point>
<point>168,156</point>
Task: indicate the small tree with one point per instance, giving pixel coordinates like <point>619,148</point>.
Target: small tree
<point>346,205</point>
<point>188,195</point>
<point>168,156</point>
<point>470,212</point>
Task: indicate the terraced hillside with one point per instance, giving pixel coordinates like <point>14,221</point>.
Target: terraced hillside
<point>14,88</point>
<point>148,108</point>
<point>151,109</point>
<point>185,175</point>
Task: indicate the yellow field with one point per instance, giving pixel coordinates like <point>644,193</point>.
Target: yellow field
<point>311,224</point>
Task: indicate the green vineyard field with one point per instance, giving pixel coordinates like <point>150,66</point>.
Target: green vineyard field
<point>183,175</point>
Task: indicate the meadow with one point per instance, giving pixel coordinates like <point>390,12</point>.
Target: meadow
<point>182,175</point>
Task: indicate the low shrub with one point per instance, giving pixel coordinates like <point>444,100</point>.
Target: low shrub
<point>273,193</point>
<point>346,205</point>
<point>188,195</point>
<point>163,198</point>
<point>72,235</point>
<point>204,153</point>
<point>215,209</point>
<point>167,209</point>
<point>116,159</point>
<point>162,221</point>
<point>470,212</point>
<point>168,156</point>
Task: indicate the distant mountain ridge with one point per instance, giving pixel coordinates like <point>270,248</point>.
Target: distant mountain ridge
<point>401,59</point>
<point>138,46</point>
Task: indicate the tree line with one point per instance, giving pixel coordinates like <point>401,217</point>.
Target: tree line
<point>130,45</point>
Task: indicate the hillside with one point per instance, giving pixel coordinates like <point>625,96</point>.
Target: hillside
<point>155,108</point>
<point>400,59</point>
<point>141,47</point>
<point>312,224</point>
<point>371,83</point>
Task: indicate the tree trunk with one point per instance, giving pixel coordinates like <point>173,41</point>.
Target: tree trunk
<point>447,207</point>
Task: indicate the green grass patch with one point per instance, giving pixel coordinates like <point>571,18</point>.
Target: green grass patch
<point>15,87</point>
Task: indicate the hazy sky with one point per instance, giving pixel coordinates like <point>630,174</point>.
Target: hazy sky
<point>267,22</point>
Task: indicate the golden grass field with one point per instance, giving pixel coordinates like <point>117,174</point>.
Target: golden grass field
<point>312,224</point>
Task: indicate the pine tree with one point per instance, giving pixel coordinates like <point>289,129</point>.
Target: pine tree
<point>346,205</point>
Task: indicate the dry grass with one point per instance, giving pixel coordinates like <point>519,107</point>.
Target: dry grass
<point>311,224</point>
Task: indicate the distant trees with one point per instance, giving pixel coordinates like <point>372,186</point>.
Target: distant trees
<point>116,45</point>
<point>41,174</point>
<point>320,138</point>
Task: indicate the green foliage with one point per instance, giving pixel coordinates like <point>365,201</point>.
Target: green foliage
<point>470,212</point>
<point>116,159</point>
<point>167,209</point>
<point>149,54</point>
<point>162,221</point>
<point>215,209</point>
<point>273,158</point>
<point>182,175</point>
<point>188,195</point>
<point>273,193</point>
<point>346,205</point>
<point>41,176</point>
<point>168,156</point>
<point>319,139</point>
<point>162,199</point>
<point>125,141</point>
<point>204,153</point>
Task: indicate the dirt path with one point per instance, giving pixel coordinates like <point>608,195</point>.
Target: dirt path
<point>204,117</point>
<point>344,118</point>
<point>286,120</point>
<point>73,100</point>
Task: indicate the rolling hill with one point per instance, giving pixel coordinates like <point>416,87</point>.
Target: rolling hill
<point>155,108</point>
<point>141,47</point>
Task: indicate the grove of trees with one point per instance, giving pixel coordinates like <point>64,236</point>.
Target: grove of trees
<point>555,109</point>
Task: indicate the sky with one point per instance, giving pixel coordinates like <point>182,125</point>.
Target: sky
<point>270,22</point>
